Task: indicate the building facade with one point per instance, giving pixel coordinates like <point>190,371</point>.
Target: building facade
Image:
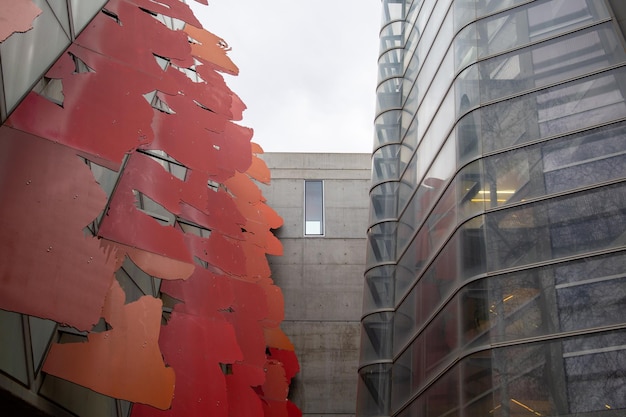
<point>496,277</point>
<point>134,278</point>
<point>323,201</point>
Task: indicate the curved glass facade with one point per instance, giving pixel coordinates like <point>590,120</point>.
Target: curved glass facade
<point>495,281</point>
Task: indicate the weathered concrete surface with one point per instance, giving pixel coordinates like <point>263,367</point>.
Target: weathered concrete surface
<point>322,277</point>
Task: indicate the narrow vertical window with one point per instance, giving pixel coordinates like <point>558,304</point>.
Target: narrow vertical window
<point>313,207</point>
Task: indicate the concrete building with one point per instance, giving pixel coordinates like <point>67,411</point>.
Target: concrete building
<point>321,271</point>
<point>495,281</point>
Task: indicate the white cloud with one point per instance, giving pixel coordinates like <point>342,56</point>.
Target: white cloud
<point>307,69</point>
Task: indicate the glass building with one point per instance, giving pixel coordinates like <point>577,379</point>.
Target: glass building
<point>496,266</point>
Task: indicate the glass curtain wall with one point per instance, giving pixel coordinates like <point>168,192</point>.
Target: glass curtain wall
<point>495,264</point>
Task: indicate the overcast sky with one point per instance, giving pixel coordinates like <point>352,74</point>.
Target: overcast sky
<point>307,69</point>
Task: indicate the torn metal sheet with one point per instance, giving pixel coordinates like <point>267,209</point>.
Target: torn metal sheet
<point>122,362</point>
<point>48,267</point>
<point>17,16</point>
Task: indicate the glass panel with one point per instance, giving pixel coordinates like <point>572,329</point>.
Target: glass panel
<point>430,30</point>
<point>553,111</point>
<point>584,159</point>
<point>536,21</point>
<point>373,390</point>
<point>605,387</point>
<point>390,64</point>
<point>552,61</point>
<point>492,6</point>
<point>568,377</point>
<point>392,10</point>
<point>391,36</point>
<point>313,207</point>
<point>379,287</point>
<point>105,177</point>
<point>387,128</point>
<point>26,56</point>
<point>383,202</point>
<point>388,95</point>
<point>376,337</point>
<point>430,107</point>
<point>79,400</point>
<point>408,373</point>
<point>381,243</point>
<point>83,11</point>
<point>587,102</point>
<point>385,164</point>
<point>12,349</point>
<point>555,228</point>
<point>41,332</point>
<point>465,47</point>
<point>62,14</point>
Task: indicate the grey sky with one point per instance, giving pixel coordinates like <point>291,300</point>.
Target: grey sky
<point>307,69</point>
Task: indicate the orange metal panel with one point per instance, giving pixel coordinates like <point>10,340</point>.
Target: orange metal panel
<point>123,362</point>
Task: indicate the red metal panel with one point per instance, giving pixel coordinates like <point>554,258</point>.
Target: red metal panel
<point>229,313</point>
<point>204,294</point>
<point>288,359</point>
<point>17,16</point>
<point>152,264</point>
<point>195,346</point>
<point>48,267</point>
<point>98,106</point>
<point>275,337</point>
<point>135,38</point>
<point>124,362</point>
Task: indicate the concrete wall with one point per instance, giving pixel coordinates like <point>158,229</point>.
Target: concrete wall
<point>322,277</point>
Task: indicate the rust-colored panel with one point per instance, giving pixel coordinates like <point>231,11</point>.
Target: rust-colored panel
<point>273,220</point>
<point>98,106</point>
<point>275,390</point>
<point>211,48</point>
<point>203,294</point>
<point>259,170</point>
<point>242,398</point>
<point>209,93</point>
<point>152,264</point>
<point>191,199</point>
<point>171,8</point>
<point>135,39</point>
<point>257,149</point>
<point>288,359</point>
<point>276,385</point>
<point>257,267</point>
<point>226,254</point>
<point>16,16</point>
<point>243,188</point>
<point>123,362</point>
<point>249,308</point>
<point>195,346</point>
<point>127,225</point>
<point>276,338</point>
<point>217,146</point>
<point>293,410</point>
<point>275,302</point>
<point>48,267</point>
